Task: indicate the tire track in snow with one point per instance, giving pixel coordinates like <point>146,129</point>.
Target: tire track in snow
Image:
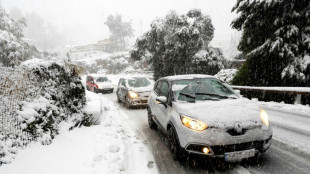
<point>280,158</point>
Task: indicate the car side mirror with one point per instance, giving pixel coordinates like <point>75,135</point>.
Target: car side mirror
<point>161,100</point>
<point>237,91</point>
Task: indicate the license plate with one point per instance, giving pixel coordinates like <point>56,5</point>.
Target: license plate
<point>239,155</point>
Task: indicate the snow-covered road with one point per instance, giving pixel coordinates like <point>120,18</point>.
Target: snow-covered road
<point>282,157</point>
<point>123,143</point>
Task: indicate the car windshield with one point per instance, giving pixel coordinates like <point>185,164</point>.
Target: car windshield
<point>191,90</point>
<point>138,82</point>
<point>102,79</point>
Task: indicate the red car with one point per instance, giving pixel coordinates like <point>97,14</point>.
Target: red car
<point>99,84</point>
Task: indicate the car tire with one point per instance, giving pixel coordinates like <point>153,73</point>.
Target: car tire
<point>118,99</point>
<point>127,103</point>
<point>151,122</point>
<point>174,145</point>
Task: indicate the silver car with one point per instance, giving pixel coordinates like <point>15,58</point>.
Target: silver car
<point>201,114</point>
<point>133,91</point>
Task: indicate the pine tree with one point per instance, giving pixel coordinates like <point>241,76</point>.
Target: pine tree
<point>120,30</point>
<point>13,49</point>
<point>275,41</point>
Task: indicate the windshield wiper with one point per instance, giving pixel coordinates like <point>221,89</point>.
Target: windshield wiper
<point>212,94</point>
<point>187,95</point>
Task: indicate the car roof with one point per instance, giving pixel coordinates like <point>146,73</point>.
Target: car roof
<point>187,76</point>
<point>97,75</point>
<point>135,77</point>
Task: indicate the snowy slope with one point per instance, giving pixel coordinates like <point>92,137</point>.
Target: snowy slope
<point>106,148</point>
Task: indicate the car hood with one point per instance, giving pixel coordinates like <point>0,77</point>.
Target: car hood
<point>104,84</point>
<point>141,89</point>
<point>222,113</point>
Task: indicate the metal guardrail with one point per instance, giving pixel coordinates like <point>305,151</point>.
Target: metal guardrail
<point>297,91</point>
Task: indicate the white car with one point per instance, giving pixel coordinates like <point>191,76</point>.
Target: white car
<point>99,84</point>
<point>134,91</point>
<point>201,114</point>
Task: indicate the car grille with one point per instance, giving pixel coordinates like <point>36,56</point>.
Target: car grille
<point>221,149</point>
<point>143,101</point>
<point>233,132</point>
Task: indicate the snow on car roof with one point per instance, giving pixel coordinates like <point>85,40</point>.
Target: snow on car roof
<point>135,77</point>
<point>187,76</point>
<point>97,75</point>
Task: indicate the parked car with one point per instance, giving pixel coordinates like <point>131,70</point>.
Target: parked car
<point>134,91</point>
<point>99,84</point>
<point>201,114</point>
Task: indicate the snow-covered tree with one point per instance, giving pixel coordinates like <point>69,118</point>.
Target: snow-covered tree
<point>178,44</point>
<point>13,49</point>
<point>275,41</point>
<point>120,30</point>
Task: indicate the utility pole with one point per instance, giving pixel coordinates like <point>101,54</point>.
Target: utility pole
<point>141,26</point>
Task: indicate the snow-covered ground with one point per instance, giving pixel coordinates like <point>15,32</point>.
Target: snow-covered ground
<point>110,147</point>
<point>114,146</point>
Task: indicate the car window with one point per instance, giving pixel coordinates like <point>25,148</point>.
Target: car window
<point>191,90</point>
<point>157,87</point>
<point>124,82</point>
<point>138,82</point>
<point>164,89</point>
<point>102,79</point>
<point>91,79</point>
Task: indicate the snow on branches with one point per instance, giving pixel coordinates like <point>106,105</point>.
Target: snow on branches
<point>174,42</point>
<point>13,49</point>
<point>276,30</point>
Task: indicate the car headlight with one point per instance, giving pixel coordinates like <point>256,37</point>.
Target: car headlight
<point>264,117</point>
<point>193,123</point>
<point>132,94</point>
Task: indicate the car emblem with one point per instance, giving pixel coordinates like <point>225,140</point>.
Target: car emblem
<point>238,127</point>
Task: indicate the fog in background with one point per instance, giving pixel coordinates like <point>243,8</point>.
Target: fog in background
<point>55,23</point>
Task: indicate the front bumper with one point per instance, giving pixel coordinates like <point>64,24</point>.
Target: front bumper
<point>141,100</point>
<point>138,102</point>
<point>220,150</point>
<point>104,90</point>
<point>222,141</point>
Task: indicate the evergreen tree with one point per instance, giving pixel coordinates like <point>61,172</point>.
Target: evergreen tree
<point>178,44</point>
<point>275,41</point>
<point>119,29</point>
<point>13,49</point>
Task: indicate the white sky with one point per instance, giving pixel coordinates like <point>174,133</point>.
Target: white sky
<point>84,19</point>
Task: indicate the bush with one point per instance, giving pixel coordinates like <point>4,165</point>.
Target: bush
<point>61,98</point>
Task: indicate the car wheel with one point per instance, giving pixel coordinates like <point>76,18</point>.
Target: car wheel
<point>152,123</point>
<point>176,150</point>
<point>118,99</point>
<point>127,103</point>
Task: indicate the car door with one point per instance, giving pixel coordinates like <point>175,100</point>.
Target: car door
<point>122,90</point>
<point>119,88</point>
<point>91,83</point>
<point>163,109</point>
<point>152,102</point>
